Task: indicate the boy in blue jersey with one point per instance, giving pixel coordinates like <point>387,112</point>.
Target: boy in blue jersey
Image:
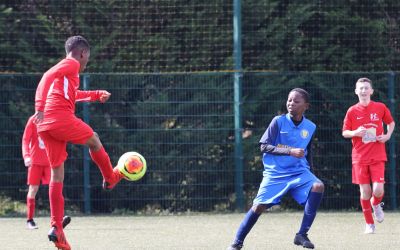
<point>286,148</point>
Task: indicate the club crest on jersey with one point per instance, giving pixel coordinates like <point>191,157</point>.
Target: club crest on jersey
<point>374,117</point>
<point>304,133</point>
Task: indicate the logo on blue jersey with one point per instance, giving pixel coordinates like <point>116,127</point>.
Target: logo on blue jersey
<point>304,133</point>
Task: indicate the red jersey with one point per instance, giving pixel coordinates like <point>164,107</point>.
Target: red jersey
<point>57,93</point>
<point>372,117</point>
<point>33,146</point>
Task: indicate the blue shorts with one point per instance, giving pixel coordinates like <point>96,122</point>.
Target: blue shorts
<point>272,189</point>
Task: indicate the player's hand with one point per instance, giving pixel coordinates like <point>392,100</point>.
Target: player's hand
<point>297,152</point>
<point>360,132</point>
<point>383,138</point>
<point>28,162</point>
<point>38,117</point>
<point>104,96</point>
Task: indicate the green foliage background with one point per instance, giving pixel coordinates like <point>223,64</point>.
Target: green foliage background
<point>187,36</point>
<point>168,65</point>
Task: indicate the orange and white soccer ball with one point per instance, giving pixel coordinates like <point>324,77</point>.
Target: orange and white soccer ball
<point>132,166</point>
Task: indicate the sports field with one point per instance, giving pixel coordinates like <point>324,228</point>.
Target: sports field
<point>274,230</point>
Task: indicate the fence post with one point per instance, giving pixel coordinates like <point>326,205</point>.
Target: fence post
<point>392,143</point>
<point>86,158</point>
<point>238,75</point>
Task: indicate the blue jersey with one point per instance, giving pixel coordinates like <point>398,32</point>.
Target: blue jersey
<point>283,133</point>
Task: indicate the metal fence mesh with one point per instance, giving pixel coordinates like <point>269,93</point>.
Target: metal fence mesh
<point>187,36</point>
<point>184,125</point>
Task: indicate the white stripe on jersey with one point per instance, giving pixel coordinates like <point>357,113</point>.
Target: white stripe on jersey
<point>66,88</point>
<point>83,99</point>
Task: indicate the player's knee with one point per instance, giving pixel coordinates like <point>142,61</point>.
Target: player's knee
<point>94,142</point>
<point>378,189</point>
<point>32,191</point>
<point>378,192</point>
<point>365,191</point>
<point>35,190</point>
<point>96,135</point>
<point>366,194</point>
<point>259,208</point>
<point>318,187</point>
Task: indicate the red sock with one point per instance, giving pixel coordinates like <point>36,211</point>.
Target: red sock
<point>367,211</point>
<point>102,160</point>
<point>56,203</point>
<point>376,200</point>
<point>30,208</point>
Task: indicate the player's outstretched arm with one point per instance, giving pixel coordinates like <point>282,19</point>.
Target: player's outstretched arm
<point>104,96</point>
<point>92,96</point>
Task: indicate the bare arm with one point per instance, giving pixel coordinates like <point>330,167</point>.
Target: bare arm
<point>385,137</point>
<point>360,132</point>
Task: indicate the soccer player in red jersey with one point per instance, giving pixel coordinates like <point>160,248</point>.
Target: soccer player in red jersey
<point>363,123</point>
<point>35,159</point>
<point>57,125</point>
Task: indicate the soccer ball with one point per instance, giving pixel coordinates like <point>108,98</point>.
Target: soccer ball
<point>132,166</point>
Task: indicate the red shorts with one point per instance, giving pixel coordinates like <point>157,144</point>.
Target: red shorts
<point>366,173</point>
<point>55,140</point>
<point>37,174</point>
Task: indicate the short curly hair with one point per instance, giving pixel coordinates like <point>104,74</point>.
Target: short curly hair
<point>76,42</point>
<point>303,93</point>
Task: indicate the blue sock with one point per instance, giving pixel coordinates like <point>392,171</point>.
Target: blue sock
<point>310,211</point>
<point>247,224</point>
